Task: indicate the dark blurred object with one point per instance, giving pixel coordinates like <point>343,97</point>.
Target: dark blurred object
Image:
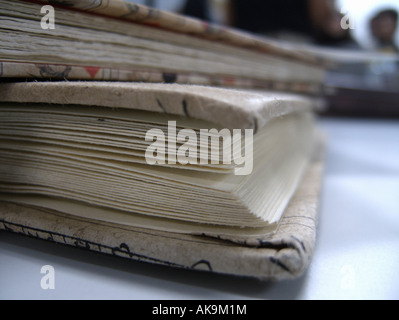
<point>383,27</point>
<point>261,16</point>
<point>317,21</point>
<point>314,21</point>
<point>362,103</point>
<point>197,9</point>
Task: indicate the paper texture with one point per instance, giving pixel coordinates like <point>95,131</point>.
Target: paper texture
<point>284,255</point>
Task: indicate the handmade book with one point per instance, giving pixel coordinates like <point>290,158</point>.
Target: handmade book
<point>121,41</point>
<point>156,137</point>
<point>77,154</point>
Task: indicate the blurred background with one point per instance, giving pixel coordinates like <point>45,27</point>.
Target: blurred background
<point>360,36</point>
<point>221,12</point>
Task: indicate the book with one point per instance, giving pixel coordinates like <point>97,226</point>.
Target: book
<point>121,41</point>
<point>167,170</point>
<point>86,163</point>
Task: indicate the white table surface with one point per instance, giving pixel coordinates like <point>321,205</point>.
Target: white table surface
<point>356,256</point>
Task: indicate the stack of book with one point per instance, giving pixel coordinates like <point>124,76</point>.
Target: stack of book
<point>156,137</point>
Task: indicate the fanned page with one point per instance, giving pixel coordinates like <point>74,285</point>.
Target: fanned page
<point>135,52</point>
<point>97,155</point>
<point>284,254</point>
